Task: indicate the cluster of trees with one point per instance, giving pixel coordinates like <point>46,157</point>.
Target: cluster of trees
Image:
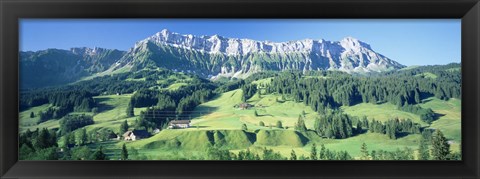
<point>335,89</point>
<point>230,85</point>
<point>334,125</point>
<point>215,153</point>
<point>426,115</point>
<point>324,154</point>
<point>433,146</point>
<point>38,145</point>
<point>394,128</point>
<point>84,153</point>
<point>43,145</point>
<point>71,122</point>
<point>63,102</point>
<point>166,105</point>
<point>248,91</point>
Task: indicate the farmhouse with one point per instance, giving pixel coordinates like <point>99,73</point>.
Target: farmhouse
<point>179,124</point>
<point>135,135</point>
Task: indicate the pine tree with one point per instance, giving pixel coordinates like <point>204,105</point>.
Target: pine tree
<point>279,124</point>
<point>261,123</point>
<point>293,156</point>
<point>313,152</point>
<point>423,152</point>
<point>83,137</point>
<point>364,151</point>
<point>124,154</point>
<point>440,146</point>
<point>32,115</point>
<point>373,154</point>
<point>99,155</point>
<point>130,110</point>
<point>300,125</point>
<point>322,152</point>
<point>123,127</point>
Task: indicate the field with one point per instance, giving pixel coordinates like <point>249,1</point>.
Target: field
<point>219,122</point>
<point>219,117</point>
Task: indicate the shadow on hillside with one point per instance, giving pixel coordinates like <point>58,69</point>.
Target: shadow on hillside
<point>424,96</point>
<point>302,137</point>
<point>438,115</point>
<point>402,135</point>
<point>202,111</point>
<point>104,107</point>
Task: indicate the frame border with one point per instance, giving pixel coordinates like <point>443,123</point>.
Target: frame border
<point>12,10</point>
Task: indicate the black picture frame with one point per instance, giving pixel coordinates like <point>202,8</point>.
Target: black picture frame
<point>466,10</point>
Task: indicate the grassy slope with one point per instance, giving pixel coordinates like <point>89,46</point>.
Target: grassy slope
<point>427,75</point>
<point>450,116</point>
<point>381,112</point>
<point>220,115</point>
<point>26,122</point>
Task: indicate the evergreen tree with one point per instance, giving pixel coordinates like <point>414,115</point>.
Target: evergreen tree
<point>313,152</point>
<point>261,123</point>
<point>364,151</point>
<point>373,154</point>
<point>322,152</point>
<point>99,155</point>
<point>279,124</point>
<point>293,156</point>
<point>300,125</point>
<point>32,115</point>
<point>423,152</point>
<point>130,110</point>
<point>123,127</point>
<point>124,154</point>
<point>83,138</point>
<point>440,146</point>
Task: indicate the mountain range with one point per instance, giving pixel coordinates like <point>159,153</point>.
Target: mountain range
<point>207,56</point>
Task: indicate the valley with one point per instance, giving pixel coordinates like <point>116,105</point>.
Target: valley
<point>218,121</point>
<point>184,97</point>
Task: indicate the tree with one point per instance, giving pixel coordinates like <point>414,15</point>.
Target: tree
<point>440,146</point>
<point>256,113</point>
<point>423,152</point>
<point>32,115</point>
<point>123,127</point>
<point>99,155</point>
<point>364,151</point>
<point>300,125</point>
<point>322,152</point>
<point>313,152</point>
<point>293,155</point>
<point>81,153</point>
<point>279,124</point>
<point>124,154</point>
<point>83,138</point>
<point>261,123</point>
<point>374,155</point>
<point>244,127</point>
<point>95,110</point>
<point>130,111</point>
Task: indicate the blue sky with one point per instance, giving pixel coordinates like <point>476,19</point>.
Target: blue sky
<point>409,42</point>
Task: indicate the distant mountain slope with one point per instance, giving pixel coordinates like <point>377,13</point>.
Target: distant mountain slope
<point>217,55</point>
<point>55,67</point>
<point>207,56</point>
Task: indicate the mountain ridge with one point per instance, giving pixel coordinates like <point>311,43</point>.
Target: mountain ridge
<point>212,56</point>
